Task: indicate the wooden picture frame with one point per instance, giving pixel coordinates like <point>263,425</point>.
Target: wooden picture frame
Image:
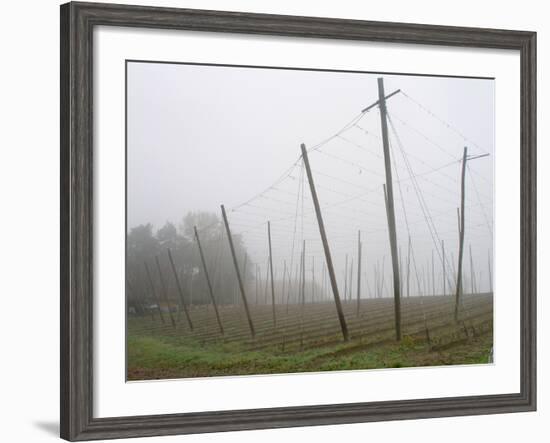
<point>77,23</point>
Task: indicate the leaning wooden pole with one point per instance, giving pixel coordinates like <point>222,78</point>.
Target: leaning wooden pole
<point>358,271</point>
<point>271,274</point>
<point>180,290</point>
<point>208,282</point>
<point>390,208</point>
<point>245,262</point>
<point>236,264</point>
<point>153,291</point>
<point>326,247</point>
<point>165,291</point>
<point>461,233</point>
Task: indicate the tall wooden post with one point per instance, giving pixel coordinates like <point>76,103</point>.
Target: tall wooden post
<point>346,279</point>
<point>351,279</point>
<point>390,210</point>
<point>180,291</point>
<point>266,280</point>
<point>454,270</point>
<point>271,273</point>
<point>153,291</point>
<point>245,262</point>
<point>326,247</point>
<point>165,291</point>
<point>358,270</point>
<point>461,233</point>
<point>490,272</point>
<point>208,283</point>
<point>236,264</point>
<point>433,274</point>
<point>325,297</point>
<point>191,288</point>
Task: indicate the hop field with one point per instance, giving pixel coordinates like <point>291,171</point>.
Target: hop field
<point>308,338</point>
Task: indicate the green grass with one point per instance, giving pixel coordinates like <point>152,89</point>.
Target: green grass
<point>159,357</point>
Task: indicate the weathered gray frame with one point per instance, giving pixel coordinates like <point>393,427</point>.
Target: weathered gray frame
<point>77,23</point>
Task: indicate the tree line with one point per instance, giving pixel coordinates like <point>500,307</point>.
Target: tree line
<point>144,246</point>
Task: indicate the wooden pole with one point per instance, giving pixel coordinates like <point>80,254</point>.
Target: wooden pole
<point>454,270</point>
<point>245,262</point>
<point>433,274</point>
<point>153,291</point>
<point>236,264</point>
<point>350,279</point>
<point>325,295</point>
<point>165,291</point>
<point>323,281</point>
<point>358,271</point>
<point>191,288</point>
<point>209,284</point>
<point>461,243</point>
<point>346,279</point>
<point>326,247</point>
<point>390,210</point>
<point>180,291</point>
<point>266,280</point>
<point>271,273</point>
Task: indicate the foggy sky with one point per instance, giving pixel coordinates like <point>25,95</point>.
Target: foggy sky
<point>200,136</point>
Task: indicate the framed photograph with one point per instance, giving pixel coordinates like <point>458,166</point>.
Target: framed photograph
<point>273,221</point>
